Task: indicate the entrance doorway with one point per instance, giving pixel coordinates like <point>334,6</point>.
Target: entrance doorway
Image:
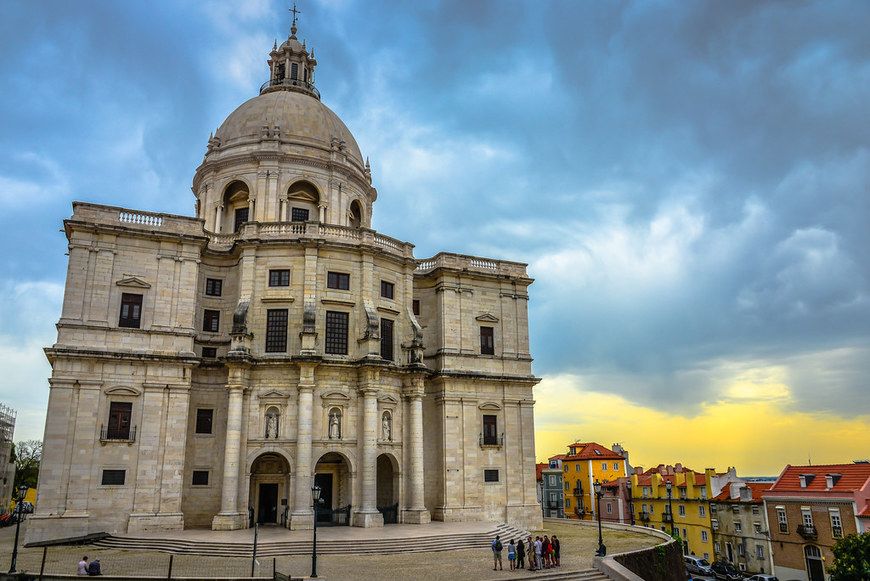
<point>815,566</point>
<point>332,475</point>
<point>388,487</point>
<point>267,511</point>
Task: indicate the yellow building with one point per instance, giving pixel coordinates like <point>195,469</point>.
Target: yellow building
<point>583,465</point>
<point>673,498</point>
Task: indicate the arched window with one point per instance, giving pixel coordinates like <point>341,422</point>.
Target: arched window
<point>236,202</point>
<point>302,202</point>
<point>355,216</point>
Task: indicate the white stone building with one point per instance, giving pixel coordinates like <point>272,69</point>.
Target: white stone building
<point>210,370</point>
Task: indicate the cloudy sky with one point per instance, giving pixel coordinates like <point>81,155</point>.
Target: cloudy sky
<point>688,182</point>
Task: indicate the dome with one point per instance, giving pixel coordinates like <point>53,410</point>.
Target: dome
<point>298,116</point>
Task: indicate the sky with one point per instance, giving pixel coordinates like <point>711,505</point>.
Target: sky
<point>689,183</point>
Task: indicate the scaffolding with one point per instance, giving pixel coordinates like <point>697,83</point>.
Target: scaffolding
<point>7,423</point>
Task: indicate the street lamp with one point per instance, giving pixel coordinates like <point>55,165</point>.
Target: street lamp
<point>668,487</point>
<point>630,501</point>
<point>315,496</point>
<point>602,550</point>
<point>22,491</point>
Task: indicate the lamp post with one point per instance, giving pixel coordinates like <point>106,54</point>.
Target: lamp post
<point>630,501</point>
<point>602,550</point>
<point>668,487</point>
<point>22,491</point>
<point>315,496</point>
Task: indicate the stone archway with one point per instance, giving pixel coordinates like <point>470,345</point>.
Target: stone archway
<point>332,475</point>
<point>388,488</point>
<point>270,489</point>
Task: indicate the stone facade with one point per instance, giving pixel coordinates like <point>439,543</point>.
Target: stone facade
<point>210,370</point>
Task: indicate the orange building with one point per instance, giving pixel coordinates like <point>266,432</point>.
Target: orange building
<point>583,465</point>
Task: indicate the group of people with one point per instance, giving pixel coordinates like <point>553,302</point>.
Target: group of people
<point>543,553</point>
<point>92,568</point>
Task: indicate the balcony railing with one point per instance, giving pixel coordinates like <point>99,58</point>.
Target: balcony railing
<point>117,434</point>
<point>290,83</point>
<point>837,532</point>
<point>578,492</point>
<point>486,441</point>
<point>644,515</point>
<point>808,532</point>
<point>667,517</point>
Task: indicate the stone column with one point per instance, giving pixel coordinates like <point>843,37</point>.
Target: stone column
<point>367,515</point>
<point>302,516</point>
<point>415,512</point>
<point>230,518</point>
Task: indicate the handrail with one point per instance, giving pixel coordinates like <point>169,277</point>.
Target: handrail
<point>285,82</point>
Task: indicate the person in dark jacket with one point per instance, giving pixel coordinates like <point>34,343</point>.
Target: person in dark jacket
<point>94,568</point>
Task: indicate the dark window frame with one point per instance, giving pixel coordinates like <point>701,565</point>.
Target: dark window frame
<point>387,341</point>
<point>415,307</point>
<point>490,475</point>
<point>490,430</point>
<point>279,277</point>
<point>276,330</point>
<point>240,216</point>
<point>113,477</point>
<point>388,289</point>
<point>213,287</point>
<point>198,475</point>
<point>211,321</point>
<point>337,326</point>
<point>299,214</point>
<point>209,352</point>
<point>338,280</point>
<point>487,340</point>
<point>120,420</point>
<point>130,316</point>
<point>204,421</point>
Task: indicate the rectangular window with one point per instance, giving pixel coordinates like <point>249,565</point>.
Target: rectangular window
<point>131,311</point>
<point>211,321</point>
<point>276,331</point>
<point>294,71</point>
<point>807,517</point>
<point>279,277</point>
<point>576,468</point>
<point>645,491</point>
<point>213,287</point>
<point>487,344</point>
<point>616,465</point>
<point>702,512</point>
<point>567,503</point>
<point>298,215</point>
<point>703,536</point>
<point>204,420</point>
<point>652,508</point>
<point>706,556</point>
<point>783,520</point>
<point>703,493</point>
<point>738,528</point>
<point>740,552</point>
<point>241,216</point>
<point>200,478</point>
<point>735,509</point>
<point>716,548</point>
<point>490,430</point>
<point>756,527</point>
<point>338,280</point>
<point>336,333</point>
<point>567,486</point>
<point>490,475</point>
<point>681,509</point>
<point>120,413</point>
<point>836,523</point>
<point>609,508</point>
<point>415,305</point>
<point>113,477</point>
<point>387,289</point>
<point>759,551</point>
<point>755,509</point>
<point>209,352</point>
<point>387,339</point>
<point>604,465</point>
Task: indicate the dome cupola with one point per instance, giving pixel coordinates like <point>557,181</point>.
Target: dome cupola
<point>291,66</point>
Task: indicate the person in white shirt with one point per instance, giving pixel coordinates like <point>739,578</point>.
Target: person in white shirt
<point>83,566</point>
<point>538,563</point>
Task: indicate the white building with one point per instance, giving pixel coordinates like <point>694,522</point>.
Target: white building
<point>210,370</point>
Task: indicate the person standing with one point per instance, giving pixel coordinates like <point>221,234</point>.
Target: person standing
<point>538,547</point>
<point>83,566</point>
<point>521,555</point>
<point>545,551</point>
<point>556,552</point>
<point>496,554</point>
<point>531,549</point>
<point>512,555</point>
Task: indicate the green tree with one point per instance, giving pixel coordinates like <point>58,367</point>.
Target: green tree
<point>27,456</point>
<point>851,558</point>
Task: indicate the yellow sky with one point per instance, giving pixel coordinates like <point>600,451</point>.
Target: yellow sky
<point>749,429</point>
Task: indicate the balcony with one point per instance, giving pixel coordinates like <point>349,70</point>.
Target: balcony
<point>808,532</point>
<point>667,517</point>
<point>127,435</point>
<point>285,83</point>
<point>644,515</point>
<point>490,441</point>
<point>837,532</point>
<point>578,492</point>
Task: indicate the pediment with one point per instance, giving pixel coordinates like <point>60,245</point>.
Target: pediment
<point>388,400</point>
<point>134,282</point>
<point>487,318</point>
<point>273,394</point>
<point>122,390</point>
<point>335,396</point>
<point>489,405</point>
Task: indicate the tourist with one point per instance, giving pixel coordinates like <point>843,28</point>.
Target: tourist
<point>545,551</point>
<point>521,555</point>
<point>496,554</point>
<point>538,547</point>
<point>531,549</point>
<point>83,566</point>
<point>94,568</point>
<point>556,552</point>
<point>512,555</point>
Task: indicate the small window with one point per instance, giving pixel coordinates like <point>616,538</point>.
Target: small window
<point>759,551</point>
<point>211,321</point>
<point>783,519</point>
<point>241,216</point>
<point>703,536</point>
<point>757,527</point>
<point>280,277</point>
<point>387,289</point>
<point>681,509</point>
<point>702,512</point>
<point>204,420</point>
<point>338,280</point>
<point>415,305</point>
<point>490,430</point>
<point>755,510</point>
<point>706,556</point>
<point>276,330</point>
<point>740,552</point>
<point>387,339</point>
<point>294,71</point>
<point>609,508</point>
<point>209,352</point>
<point>131,311</point>
<point>836,523</point>
<point>490,475</point>
<point>336,333</point>
<point>213,287</point>
<point>120,413</point>
<point>298,215</point>
<point>200,478</point>
<point>738,528</point>
<point>487,345</point>
<point>113,477</point>
<point>603,465</point>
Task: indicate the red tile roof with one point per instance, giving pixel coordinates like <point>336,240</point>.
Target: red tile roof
<point>538,467</point>
<point>557,457</point>
<point>592,451</point>
<point>853,477</point>
<point>756,487</point>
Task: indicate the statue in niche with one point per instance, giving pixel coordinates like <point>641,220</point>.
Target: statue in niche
<point>335,425</point>
<point>386,427</point>
<point>272,426</point>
